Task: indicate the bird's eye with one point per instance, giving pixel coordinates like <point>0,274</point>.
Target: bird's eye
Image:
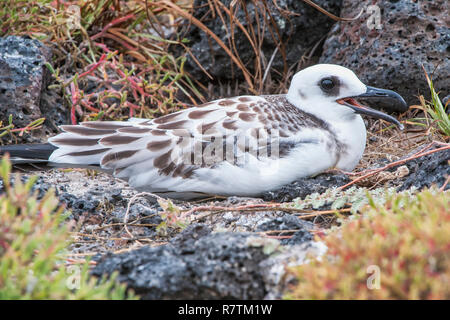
<point>327,84</point>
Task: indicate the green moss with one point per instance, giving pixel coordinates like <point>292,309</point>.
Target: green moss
<point>355,197</point>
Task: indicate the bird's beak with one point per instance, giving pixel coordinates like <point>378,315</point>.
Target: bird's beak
<point>374,93</point>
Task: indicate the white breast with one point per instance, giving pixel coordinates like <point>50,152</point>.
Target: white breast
<point>353,134</point>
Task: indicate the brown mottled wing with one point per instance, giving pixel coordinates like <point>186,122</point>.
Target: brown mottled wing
<point>177,144</point>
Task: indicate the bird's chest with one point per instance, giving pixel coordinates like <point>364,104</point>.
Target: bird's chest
<point>351,140</point>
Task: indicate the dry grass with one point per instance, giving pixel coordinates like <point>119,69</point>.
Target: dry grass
<point>112,62</point>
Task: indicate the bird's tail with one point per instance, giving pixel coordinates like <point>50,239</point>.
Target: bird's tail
<point>38,157</point>
<point>87,145</point>
<point>25,155</point>
<point>21,153</point>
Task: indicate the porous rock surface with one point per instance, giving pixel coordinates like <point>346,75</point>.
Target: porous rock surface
<point>23,89</point>
<point>23,77</point>
<point>199,264</point>
<point>209,266</point>
<point>428,170</point>
<point>289,222</point>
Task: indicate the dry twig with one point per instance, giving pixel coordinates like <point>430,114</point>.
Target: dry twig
<point>419,154</point>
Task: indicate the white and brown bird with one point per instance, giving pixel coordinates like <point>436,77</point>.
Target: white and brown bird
<point>242,146</point>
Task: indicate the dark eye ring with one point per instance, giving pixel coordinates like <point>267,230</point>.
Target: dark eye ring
<point>327,84</point>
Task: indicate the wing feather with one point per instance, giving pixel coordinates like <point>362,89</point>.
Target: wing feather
<point>166,151</point>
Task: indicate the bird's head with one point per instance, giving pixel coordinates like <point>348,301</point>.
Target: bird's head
<point>330,91</point>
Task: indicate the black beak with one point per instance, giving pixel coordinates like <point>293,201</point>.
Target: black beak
<point>375,93</point>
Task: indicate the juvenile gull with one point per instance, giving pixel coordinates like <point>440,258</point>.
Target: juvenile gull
<point>241,146</point>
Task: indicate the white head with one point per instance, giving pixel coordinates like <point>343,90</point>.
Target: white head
<point>328,91</point>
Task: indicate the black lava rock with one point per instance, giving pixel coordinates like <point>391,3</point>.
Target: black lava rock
<point>289,222</point>
<point>428,170</point>
<point>186,239</point>
<point>216,266</point>
<point>305,186</point>
<point>40,186</point>
<point>78,205</point>
<point>22,78</point>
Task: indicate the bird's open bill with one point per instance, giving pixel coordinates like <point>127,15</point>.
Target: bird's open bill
<point>373,92</point>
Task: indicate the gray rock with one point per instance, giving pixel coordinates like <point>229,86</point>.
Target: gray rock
<point>427,171</point>
<point>299,33</point>
<point>445,102</point>
<point>22,78</point>
<point>190,235</point>
<point>54,111</point>
<point>305,186</point>
<point>198,264</point>
<point>412,33</point>
<point>274,269</point>
<point>215,266</point>
<point>289,222</point>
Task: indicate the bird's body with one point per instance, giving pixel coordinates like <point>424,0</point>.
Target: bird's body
<point>234,146</point>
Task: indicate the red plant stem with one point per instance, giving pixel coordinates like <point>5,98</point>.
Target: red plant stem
<point>74,98</point>
<point>132,106</point>
<point>123,43</point>
<point>88,106</point>
<point>94,66</point>
<point>135,96</point>
<point>73,118</point>
<point>134,85</point>
<point>278,237</point>
<point>111,24</point>
<point>445,184</point>
<point>22,130</point>
<point>102,46</point>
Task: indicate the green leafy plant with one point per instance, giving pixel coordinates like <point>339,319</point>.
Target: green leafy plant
<point>406,239</point>
<point>10,128</point>
<point>171,217</point>
<point>436,109</point>
<point>33,243</point>
<point>355,197</point>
